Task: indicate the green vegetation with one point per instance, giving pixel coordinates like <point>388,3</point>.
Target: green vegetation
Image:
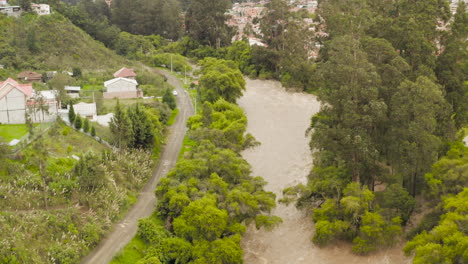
<point>10,132</point>
<point>220,79</point>
<point>50,43</point>
<point>209,198</point>
<point>386,118</point>
<point>56,208</point>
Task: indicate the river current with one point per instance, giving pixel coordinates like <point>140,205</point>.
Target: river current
<point>279,119</point>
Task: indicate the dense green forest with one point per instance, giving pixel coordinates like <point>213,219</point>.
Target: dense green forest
<point>389,113</point>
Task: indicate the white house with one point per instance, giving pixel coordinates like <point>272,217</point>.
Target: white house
<point>122,88</point>
<point>3,2</point>
<point>18,99</point>
<point>85,110</point>
<point>14,11</point>
<point>43,106</point>
<point>13,99</point>
<point>73,91</point>
<point>41,9</point>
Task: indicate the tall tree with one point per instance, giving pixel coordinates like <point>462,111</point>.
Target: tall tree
<point>205,22</point>
<point>415,111</point>
<point>452,66</point>
<point>121,127</point>
<point>347,122</point>
<point>142,129</point>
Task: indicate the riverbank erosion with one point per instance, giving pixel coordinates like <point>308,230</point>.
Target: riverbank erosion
<point>279,119</point>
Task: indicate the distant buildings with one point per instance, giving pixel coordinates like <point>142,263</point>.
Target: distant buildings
<point>16,11</point>
<point>73,91</point>
<point>454,5</point>
<point>13,11</point>
<point>29,76</point>
<point>41,9</point>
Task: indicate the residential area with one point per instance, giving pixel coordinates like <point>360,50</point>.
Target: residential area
<point>21,102</point>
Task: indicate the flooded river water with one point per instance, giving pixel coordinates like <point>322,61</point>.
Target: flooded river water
<point>279,119</point>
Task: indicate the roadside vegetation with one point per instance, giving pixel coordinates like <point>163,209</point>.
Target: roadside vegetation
<point>54,207</point>
<point>206,202</point>
<point>62,192</point>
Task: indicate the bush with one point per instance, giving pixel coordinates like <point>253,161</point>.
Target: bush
<point>150,232</point>
<point>86,125</point>
<point>78,122</point>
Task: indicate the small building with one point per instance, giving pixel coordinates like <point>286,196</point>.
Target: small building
<point>30,76</point>
<point>73,91</point>
<point>13,99</point>
<point>125,73</point>
<point>13,11</point>
<point>41,9</point>
<point>256,42</point>
<point>43,106</point>
<point>85,110</point>
<point>122,88</point>
<point>3,2</point>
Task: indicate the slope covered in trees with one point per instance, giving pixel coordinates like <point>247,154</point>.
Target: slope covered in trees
<point>51,42</point>
<point>388,114</point>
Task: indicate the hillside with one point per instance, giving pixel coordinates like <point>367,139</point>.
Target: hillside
<point>51,43</point>
<point>54,208</point>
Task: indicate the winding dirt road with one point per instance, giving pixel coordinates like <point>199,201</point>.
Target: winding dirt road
<point>126,229</point>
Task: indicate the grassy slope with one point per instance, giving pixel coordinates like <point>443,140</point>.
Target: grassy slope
<point>53,43</point>
<point>10,132</point>
<point>75,219</point>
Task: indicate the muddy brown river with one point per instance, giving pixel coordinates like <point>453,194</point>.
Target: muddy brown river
<point>279,119</point>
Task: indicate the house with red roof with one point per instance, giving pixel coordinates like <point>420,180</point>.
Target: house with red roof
<point>29,76</point>
<point>125,73</point>
<point>18,99</point>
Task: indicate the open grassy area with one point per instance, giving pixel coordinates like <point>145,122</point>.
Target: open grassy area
<point>10,132</point>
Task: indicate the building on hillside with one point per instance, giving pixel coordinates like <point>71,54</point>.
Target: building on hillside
<point>256,41</point>
<point>17,100</point>
<point>122,88</point>
<point>13,11</point>
<point>125,73</point>
<point>43,106</point>
<point>13,100</point>
<point>85,110</point>
<point>73,91</point>
<point>3,2</point>
<point>41,9</point>
<point>30,76</point>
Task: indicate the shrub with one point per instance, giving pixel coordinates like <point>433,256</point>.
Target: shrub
<point>78,122</point>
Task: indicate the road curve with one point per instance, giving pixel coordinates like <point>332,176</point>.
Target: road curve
<point>126,229</point>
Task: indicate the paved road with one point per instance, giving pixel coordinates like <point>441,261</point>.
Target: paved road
<point>126,229</point>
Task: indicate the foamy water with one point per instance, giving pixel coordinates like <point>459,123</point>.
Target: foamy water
<point>279,119</point>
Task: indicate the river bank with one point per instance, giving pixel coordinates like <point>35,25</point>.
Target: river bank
<point>279,119</point>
